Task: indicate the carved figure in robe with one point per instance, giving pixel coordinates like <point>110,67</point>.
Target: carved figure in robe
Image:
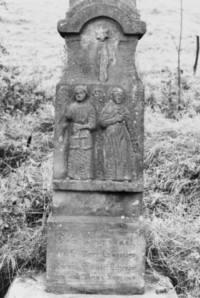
<point>102,57</point>
<point>81,116</point>
<point>118,150</point>
<point>98,96</point>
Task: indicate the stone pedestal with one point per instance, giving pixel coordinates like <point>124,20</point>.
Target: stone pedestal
<point>95,244</point>
<point>95,234</point>
<point>33,286</point>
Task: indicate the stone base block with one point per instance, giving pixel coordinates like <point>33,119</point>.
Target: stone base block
<point>33,286</point>
<point>95,255</point>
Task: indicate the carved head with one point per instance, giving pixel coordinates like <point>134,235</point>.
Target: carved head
<point>102,34</point>
<point>80,93</point>
<point>118,95</point>
<point>98,94</point>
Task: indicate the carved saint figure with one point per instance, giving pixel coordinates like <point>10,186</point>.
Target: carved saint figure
<point>98,97</point>
<point>82,118</point>
<point>98,94</point>
<point>103,59</point>
<point>118,151</point>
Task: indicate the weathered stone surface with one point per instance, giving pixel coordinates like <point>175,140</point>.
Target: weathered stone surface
<point>34,285</point>
<point>123,12</point>
<point>101,60</point>
<point>96,243</point>
<point>95,235</point>
<point>110,186</point>
<point>101,255</point>
<point>77,203</point>
<point>101,142</point>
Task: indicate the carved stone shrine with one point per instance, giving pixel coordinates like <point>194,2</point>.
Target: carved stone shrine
<point>96,240</point>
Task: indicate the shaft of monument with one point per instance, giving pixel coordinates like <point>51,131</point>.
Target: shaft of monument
<point>96,242</point>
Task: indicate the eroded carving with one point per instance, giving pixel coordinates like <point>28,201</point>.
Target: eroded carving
<point>99,97</point>
<point>98,133</point>
<point>103,59</point>
<point>81,118</point>
<point>98,256</point>
<point>124,14</point>
<point>115,118</point>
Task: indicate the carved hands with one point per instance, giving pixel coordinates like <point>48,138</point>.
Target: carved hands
<point>112,120</point>
<point>117,119</point>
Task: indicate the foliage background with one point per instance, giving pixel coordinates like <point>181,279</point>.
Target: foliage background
<point>30,65</point>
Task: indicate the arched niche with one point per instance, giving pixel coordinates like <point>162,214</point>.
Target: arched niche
<point>75,23</point>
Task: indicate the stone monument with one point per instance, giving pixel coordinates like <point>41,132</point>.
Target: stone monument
<point>95,236</point>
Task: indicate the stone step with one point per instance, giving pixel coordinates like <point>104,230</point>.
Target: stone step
<point>33,286</point>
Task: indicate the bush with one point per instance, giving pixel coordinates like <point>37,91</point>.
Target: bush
<point>25,186</point>
<point>25,203</point>
<point>163,95</point>
<point>17,97</point>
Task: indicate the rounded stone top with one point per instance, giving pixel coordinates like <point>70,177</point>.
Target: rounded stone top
<point>131,3</point>
<point>122,11</point>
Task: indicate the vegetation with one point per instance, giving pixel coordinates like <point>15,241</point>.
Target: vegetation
<point>26,146</point>
<point>172,173</point>
<point>172,170</point>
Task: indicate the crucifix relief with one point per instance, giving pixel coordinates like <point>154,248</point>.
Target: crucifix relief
<point>103,59</point>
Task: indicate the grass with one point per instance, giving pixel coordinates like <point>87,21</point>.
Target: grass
<point>172,191</point>
<point>173,248</point>
<point>172,154</point>
<point>25,188</point>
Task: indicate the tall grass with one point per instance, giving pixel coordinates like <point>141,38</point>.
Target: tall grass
<point>25,187</point>
<point>172,192</point>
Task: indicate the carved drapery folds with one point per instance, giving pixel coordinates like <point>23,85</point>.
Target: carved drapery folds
<point>81,115</point>
<point>118,150</point>
<point>100,141</point>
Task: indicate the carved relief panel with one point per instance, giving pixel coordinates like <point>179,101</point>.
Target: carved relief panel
<point>96,137</point>
<point>99,107</point>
